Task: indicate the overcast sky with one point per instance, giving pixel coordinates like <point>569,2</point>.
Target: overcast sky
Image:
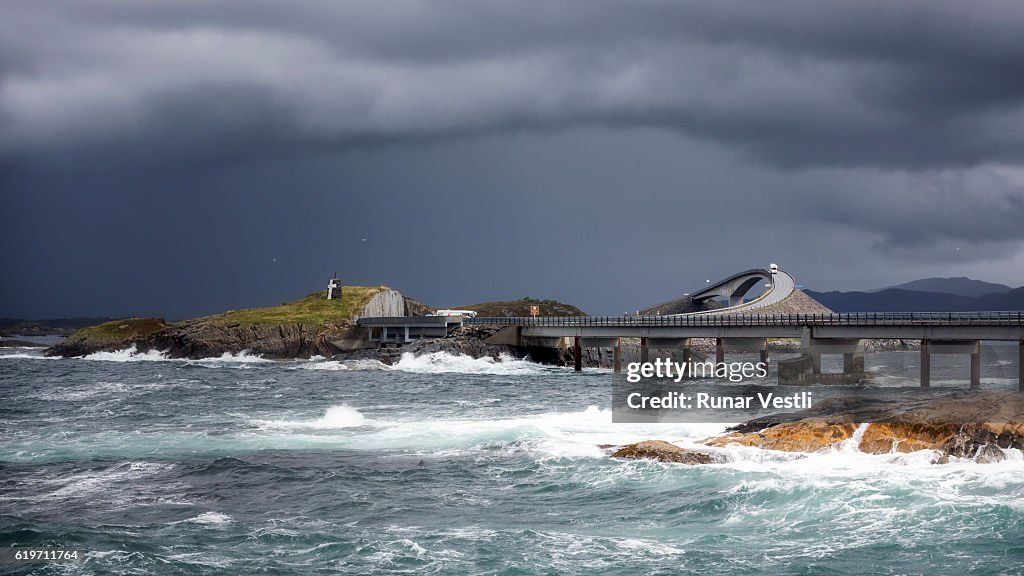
<point>177,157</point>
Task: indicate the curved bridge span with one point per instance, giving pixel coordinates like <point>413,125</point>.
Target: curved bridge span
<point>780,285</point>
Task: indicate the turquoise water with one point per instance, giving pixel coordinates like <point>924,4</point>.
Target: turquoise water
<point>455,466</point>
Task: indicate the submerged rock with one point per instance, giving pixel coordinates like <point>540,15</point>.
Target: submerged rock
<point>664,452</point>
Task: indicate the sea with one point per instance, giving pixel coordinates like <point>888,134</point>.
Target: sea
<point>443,464</point>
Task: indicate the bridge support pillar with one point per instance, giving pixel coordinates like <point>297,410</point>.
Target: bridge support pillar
<point>406,333</point>
<point>618,355</point>
<point>577,354</point>
<point>926,365</point>
<point>972,347</point>
<point>853,362</point>
<point>644,352</point>
<point>1020,367</point>
<point>742,344</point>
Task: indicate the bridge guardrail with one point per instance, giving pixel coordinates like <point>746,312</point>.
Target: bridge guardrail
<point>1007,318</point>
<point>408,320</point>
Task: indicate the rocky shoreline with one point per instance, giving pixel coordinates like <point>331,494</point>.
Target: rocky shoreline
<point>199,339</point>
<point>203,338</point>
<point>977,426</point>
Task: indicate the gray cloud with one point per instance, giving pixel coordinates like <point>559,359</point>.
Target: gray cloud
<point>639,147</point>
<point>915,85</point>
<point>912,213</point>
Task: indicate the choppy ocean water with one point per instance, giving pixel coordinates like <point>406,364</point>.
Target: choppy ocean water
<point>456,466</point>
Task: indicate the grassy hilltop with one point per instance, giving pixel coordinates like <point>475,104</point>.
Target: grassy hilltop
<point>116,331</point>
<point>522,308</point>
<point>313,312</point>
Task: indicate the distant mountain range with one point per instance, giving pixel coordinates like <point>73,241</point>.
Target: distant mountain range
<point>927,295</point>
<point>960,285</point>
<point>52,326</point>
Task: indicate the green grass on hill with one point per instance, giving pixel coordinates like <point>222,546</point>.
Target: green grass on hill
<point>120,330</point>
<point>522,308</point>
<point>313,310</point>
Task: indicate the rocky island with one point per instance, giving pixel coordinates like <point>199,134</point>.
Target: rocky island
<point>311,326</point>
<point>318,325</point>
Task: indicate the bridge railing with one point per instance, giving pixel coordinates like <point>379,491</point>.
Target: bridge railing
<point>1008,318</point>
<point>408,320</point>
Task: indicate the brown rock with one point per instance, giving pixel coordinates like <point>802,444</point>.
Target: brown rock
<point>811,435</point>
<point>664,452</point>
<point>975,441</point>
<point>880,437</point>
<point>961,425</point>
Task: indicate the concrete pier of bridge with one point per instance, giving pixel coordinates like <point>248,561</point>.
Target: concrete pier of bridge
<point>741,344</point>
<point>646,345</point>
<point>972,347</point>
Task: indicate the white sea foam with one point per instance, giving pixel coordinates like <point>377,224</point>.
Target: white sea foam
<point>320,364</point>
<point>553,434</point>
<point>434,363</point>
<point>210,518</point>
<point>340,416</point>
<point>127,355</point>
<point>442,362</point>
<point>366,364</point>
<point>229,358</point>
<point>132,354</point>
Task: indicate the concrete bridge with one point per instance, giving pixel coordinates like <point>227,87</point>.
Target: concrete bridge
<point>735,328</point>
<point>939,333</point>
<point>386,330</point>
<point>778,286</point>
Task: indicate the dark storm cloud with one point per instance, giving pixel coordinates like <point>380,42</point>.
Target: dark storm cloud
<point>906,85</point>
<point>912,211</point>
<point>217,155</point>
